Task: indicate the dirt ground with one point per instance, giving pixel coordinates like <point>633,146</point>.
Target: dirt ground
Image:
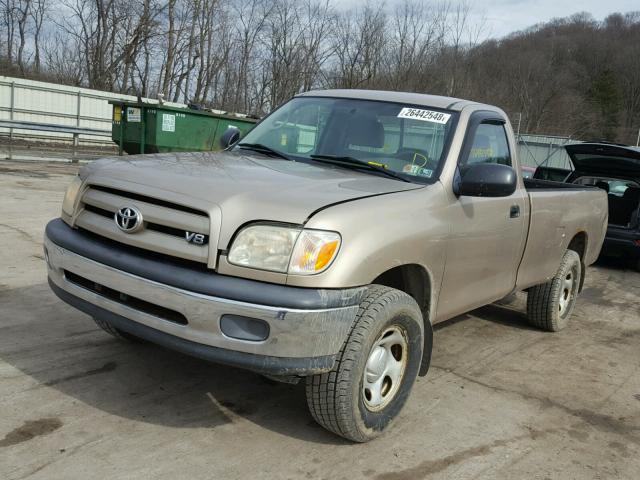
<point>502,400</point>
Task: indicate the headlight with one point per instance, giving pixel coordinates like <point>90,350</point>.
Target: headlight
<point>284,249</point>
<point>70,197</point>
<point>267,247</point>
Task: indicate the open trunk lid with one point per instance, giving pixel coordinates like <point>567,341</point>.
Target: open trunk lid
<point>610,161</point>
<point>603,158</point>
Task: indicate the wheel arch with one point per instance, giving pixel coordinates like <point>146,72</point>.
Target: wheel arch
<point>579,245</point>
<point>416,281</point>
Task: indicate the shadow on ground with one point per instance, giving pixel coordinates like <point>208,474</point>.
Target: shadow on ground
<point>59,347</point>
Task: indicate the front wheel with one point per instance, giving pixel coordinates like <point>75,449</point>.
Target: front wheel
<point>550,304</point>
<point>375,369</point>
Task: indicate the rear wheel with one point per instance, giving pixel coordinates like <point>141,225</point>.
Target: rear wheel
<point>550,304</point>
<point>375,370</point>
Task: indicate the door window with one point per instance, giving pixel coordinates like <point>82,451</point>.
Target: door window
<point>490,145</point>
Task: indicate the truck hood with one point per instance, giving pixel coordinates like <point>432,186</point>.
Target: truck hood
<point>238,187</point>
<point>602,158</point>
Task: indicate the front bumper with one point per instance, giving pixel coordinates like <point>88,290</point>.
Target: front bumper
<point>306,327</point>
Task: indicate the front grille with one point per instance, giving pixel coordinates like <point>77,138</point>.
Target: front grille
<point>99,211</point>
<point>156,227</point>
<point>176,232</point>
<point>125,299</point>
<point>144,198</point>
<point>167,226</point>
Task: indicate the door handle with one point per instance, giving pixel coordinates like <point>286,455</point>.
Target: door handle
<point>514,212</point>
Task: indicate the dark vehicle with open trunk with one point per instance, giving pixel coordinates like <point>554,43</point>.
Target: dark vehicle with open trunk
<point>615,169</point>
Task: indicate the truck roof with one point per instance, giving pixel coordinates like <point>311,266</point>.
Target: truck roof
<point>448,103</point>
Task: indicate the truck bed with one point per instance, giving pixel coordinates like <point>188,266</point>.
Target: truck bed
<point>537,184</point>
<point>552,229</point>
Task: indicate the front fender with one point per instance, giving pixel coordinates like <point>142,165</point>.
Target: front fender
<point>381,233</point>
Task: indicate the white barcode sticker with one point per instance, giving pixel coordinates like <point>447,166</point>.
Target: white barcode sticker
<point>168,122</point>
<point>424,115</point>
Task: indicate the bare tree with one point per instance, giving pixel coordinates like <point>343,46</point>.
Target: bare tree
<point>38,12</point>
<point>63,60</point>
<point>359,39</point>
<point>573,75</point>
<point>416,35</point>
<point>461,37</point>
<point>317,50</point>
<point>171,46</point>
<point>9,9</point>
<point>23,12</point>
<point>251,17</point>
<point>111,33</point>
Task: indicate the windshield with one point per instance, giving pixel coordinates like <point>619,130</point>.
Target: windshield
<point>410,141</point>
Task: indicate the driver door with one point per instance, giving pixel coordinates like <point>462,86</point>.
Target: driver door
<point>487,233</point>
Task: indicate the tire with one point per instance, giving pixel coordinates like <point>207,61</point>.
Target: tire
<point>550,304</point>
<point>342,400</point>
<point>113,331</point>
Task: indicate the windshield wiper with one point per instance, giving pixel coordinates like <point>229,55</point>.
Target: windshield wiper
<point>260,148</point>
<point>352,162</point>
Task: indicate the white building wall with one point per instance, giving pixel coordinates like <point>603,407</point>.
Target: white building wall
<point>41,102</point>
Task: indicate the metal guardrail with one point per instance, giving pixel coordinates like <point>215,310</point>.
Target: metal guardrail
<point>27,111</point>
<point>75,132</point>
<point>12,109</point>
<point>49,127</point>
<point>16,86</point>
<point>81,92</point>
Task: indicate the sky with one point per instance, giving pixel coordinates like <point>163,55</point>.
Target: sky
<point>505,16</point>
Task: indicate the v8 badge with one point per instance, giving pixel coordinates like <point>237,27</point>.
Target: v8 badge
<point>197,238</point>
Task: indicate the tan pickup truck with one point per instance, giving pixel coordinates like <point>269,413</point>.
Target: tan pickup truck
<point>325,244</point>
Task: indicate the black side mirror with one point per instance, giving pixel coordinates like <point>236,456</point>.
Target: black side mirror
<point>228,138</point>
<point>486,180</point>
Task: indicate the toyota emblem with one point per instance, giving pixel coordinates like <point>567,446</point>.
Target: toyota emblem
<point>128,219</point>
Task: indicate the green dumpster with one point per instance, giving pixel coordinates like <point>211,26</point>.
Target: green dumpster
<point>153,128</point>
